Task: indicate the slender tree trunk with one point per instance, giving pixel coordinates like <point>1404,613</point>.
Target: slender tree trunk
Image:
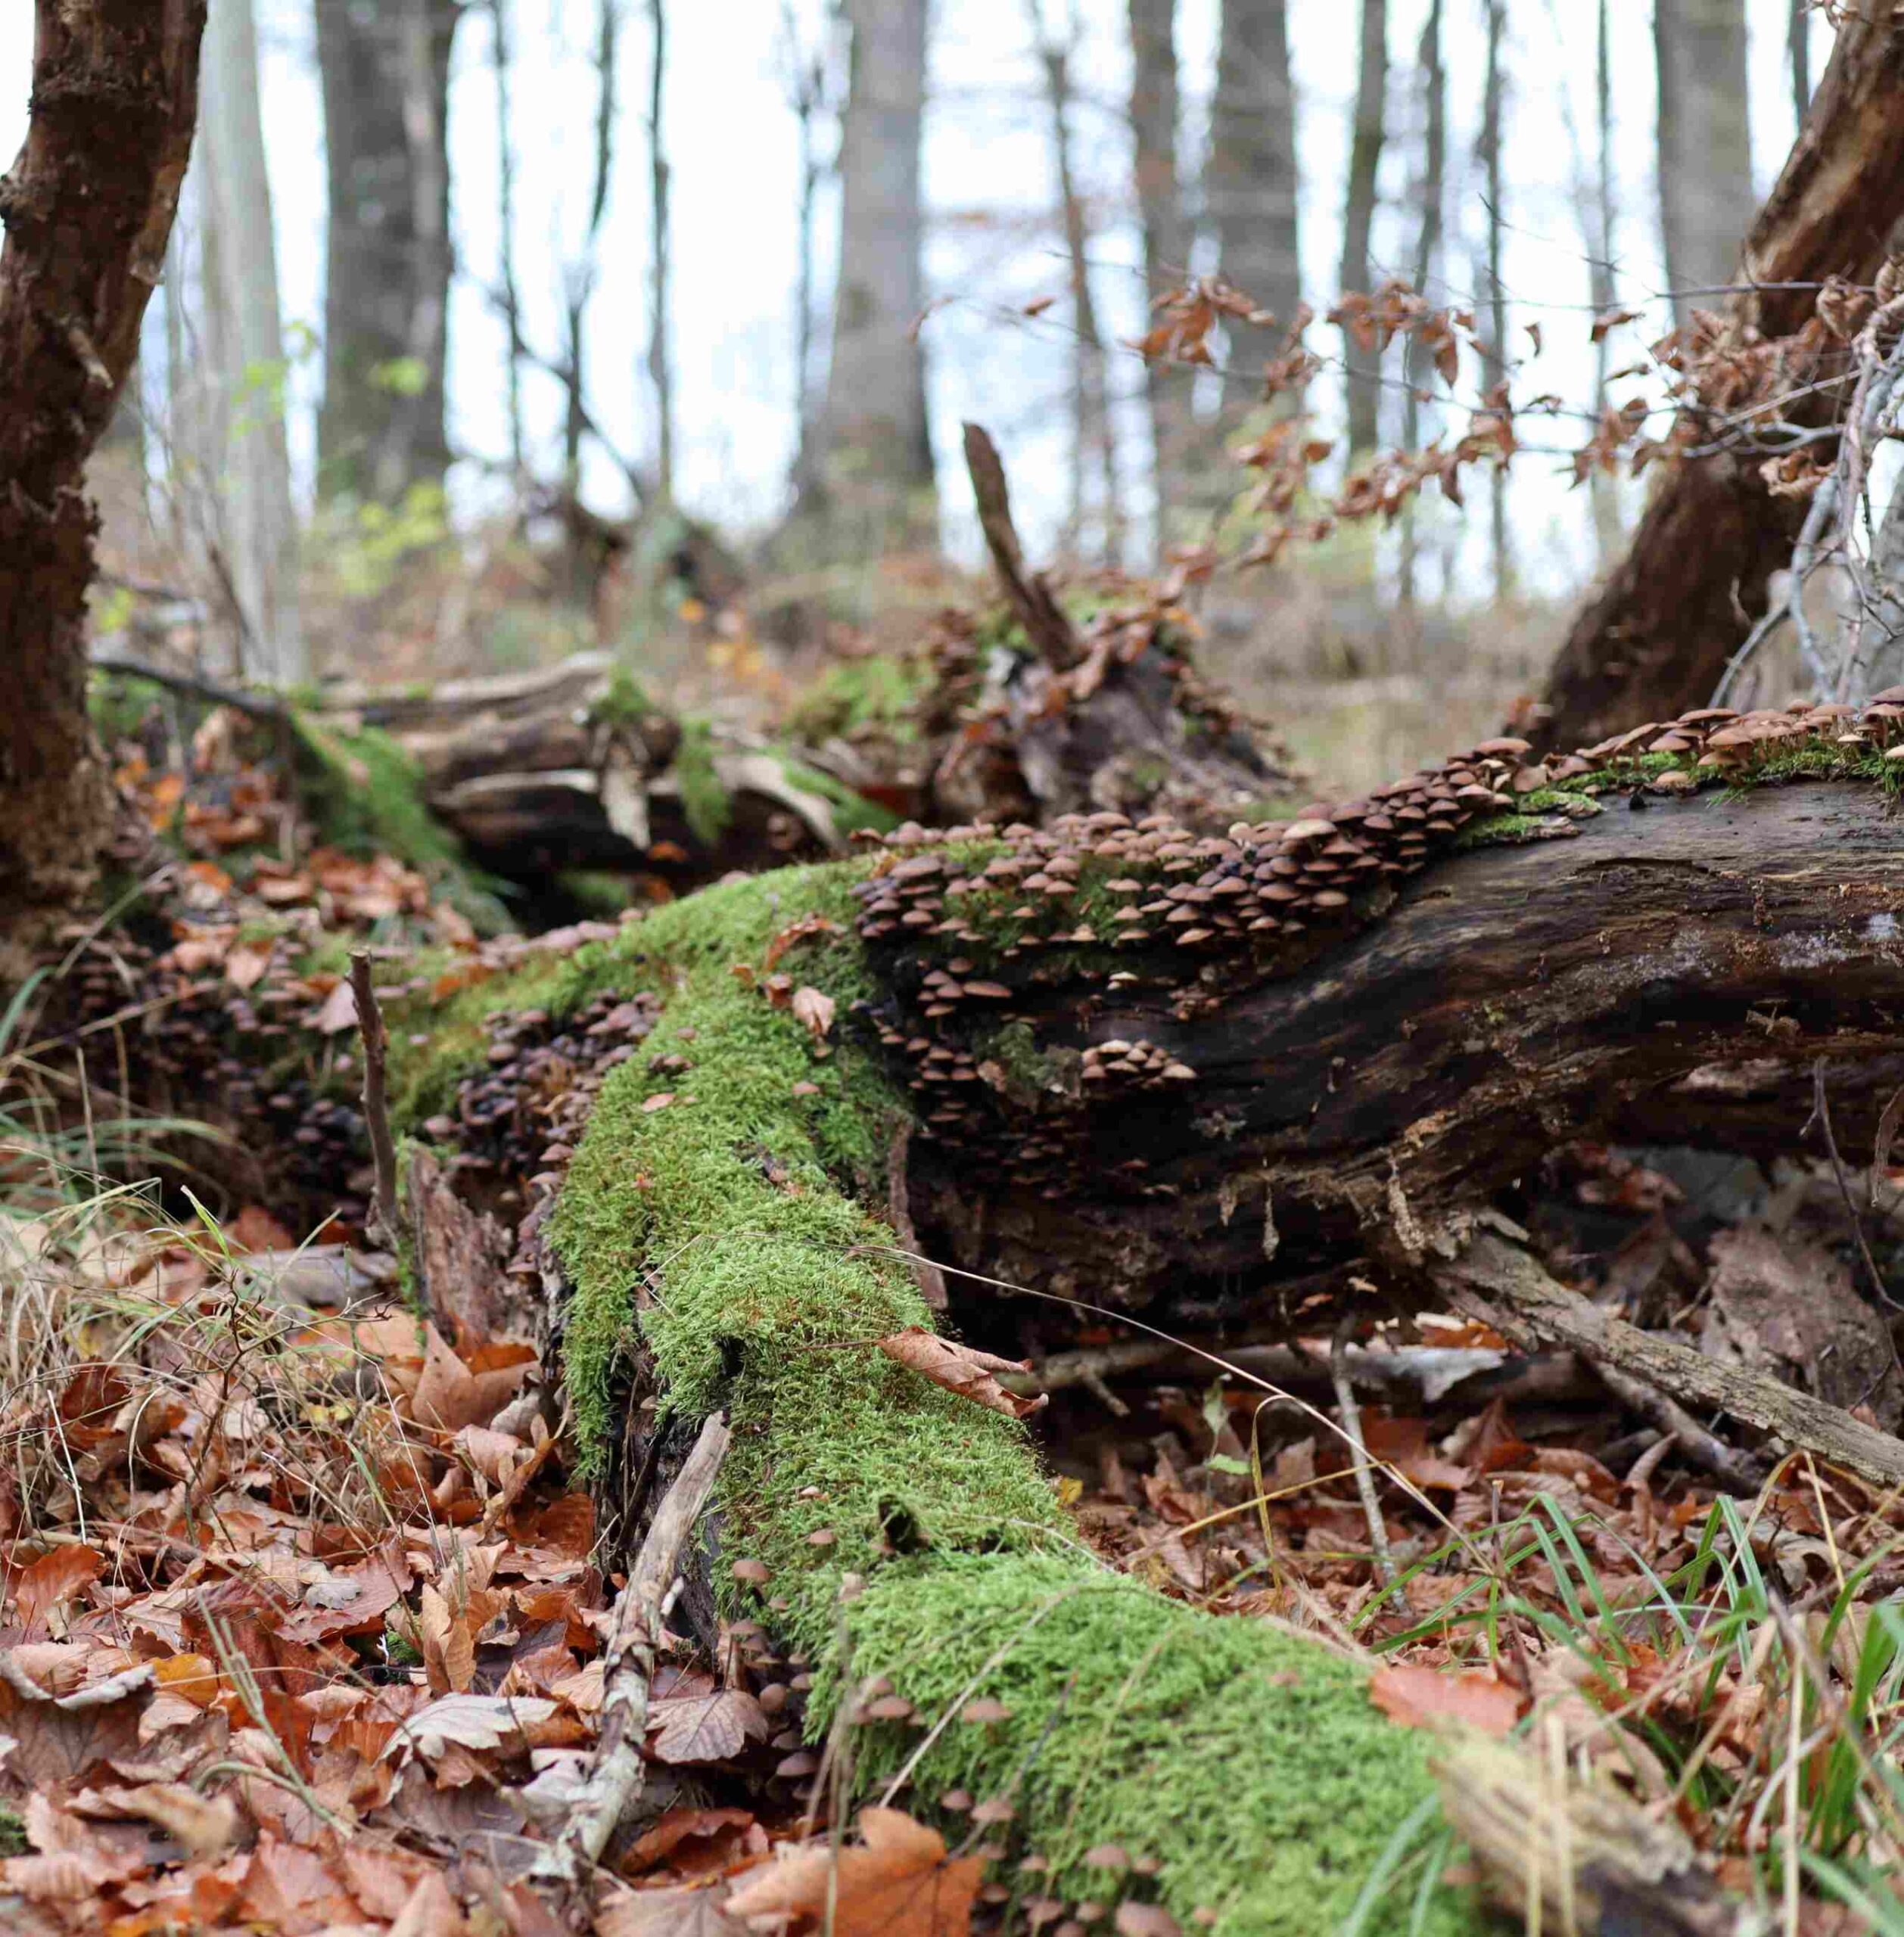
<point>88,206</point>
<point>246,355</point>
<point>1363,367</point>
<point>1166,235</point>
<point>1798,52</point>
<point>661,375</point>
<point>1093,439</point>
<point>1706,198</point>
<point>385,71</point>
<point>807,74</point>
<point>500,57</point>
<point>875,480</point>
<point>1604,291</point>
<point>1495,355</point>
<point>582,271</point>
<point>1656,638</point>
<point>1250,181</point>
<point>1429,191</point>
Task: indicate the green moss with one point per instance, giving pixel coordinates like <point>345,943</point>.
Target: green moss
<point>1247,1761</point>
<point>703,799</point>
<point>366,796</point>
<point>598,892</point>
<point>716,1229</point>
<point>878,694</point>
<point>851,810</point>
<point>14,1839</point>
<point>625,702</point>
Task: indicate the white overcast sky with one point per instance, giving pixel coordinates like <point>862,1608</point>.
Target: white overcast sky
<point>731,135</point>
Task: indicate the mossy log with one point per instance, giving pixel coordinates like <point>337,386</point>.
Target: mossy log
<point>1199,1123</point>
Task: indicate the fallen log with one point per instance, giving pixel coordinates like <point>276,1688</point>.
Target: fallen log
<point>1231,1118</point>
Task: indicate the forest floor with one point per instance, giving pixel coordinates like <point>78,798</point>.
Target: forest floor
<point>302,1618</point>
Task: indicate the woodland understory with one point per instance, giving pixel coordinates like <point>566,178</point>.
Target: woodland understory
<point>948,1307</point>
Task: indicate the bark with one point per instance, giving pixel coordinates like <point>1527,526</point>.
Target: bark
<point>1363,367</point>
<point>809,95</point>
<point>1600,217</point>
<point>385,71</point>
<point>88,206</point>
<point>1250,200</point>
<point>1798,55</point>
<point>1166,234</point>
<point>245,366</point>
<point>874,470</point>
<point>1655,639</point>
<point>1705,136</point>
<point>1602,986</point>
<point>582,272</point>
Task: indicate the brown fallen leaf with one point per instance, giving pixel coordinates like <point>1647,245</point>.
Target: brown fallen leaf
<point>207,1825</point>
<point>900,1884</point>
<point>697,1841</point>
<point>962,1369</point>
<point>689,1913</point>
<point>1420,1697</point>
<point>706,1728</point>
<point>814,1011</point>
<point>55,1577</point>
<point>57,1738</point>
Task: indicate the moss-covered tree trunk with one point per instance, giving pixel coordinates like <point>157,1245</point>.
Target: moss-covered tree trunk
<point>1199,1078</point>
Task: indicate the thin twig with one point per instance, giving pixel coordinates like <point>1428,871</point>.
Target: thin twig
<point>1351,1428</point>
<point>382,1225</point>
<point>1821,1116</point>
<point>614,1777</point>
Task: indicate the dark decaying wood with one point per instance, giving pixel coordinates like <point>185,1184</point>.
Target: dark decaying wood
<point>1655,638</point>
<point>88,207</point>
<point>1667,975</point>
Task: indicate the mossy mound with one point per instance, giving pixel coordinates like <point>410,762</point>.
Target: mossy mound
<point>713,1216</point>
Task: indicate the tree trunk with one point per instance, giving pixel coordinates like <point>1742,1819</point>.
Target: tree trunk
<point>1416,370</point>
<point>661,366</point>
<point>1093,439</point>
<point>1250,200</point>
<point>1798,57</point>
<point>1363,369</point>
<point>582,272</point>
<point>1166,236</point>
<point>385,68</point>
<point>502,62</point>
<point>245,342</point>
<point>1598,223</point>
<point>1494,360</point>
<point>1705,136</point>
<point>1655,639</point>
<point>874,473</point>
<point>88,205</point>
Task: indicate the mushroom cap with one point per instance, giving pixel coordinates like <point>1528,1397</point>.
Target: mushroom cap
<point>1504,749</point>
<point>1309,830</point>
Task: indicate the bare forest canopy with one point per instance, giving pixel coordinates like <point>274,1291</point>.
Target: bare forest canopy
<point>1093,1128</point>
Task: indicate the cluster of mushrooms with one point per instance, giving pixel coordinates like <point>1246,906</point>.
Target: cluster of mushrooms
<point>969,904</point>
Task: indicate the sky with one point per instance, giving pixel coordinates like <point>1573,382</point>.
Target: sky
<point>731,135</point>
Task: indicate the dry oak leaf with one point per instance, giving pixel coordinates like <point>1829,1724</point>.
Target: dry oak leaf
<point>900,1884</point>
<point>1420,1697</point>
<point>962,1369</point>
<point>454,1392</point>
<point>48,1739</point>
<point>706,1728</point>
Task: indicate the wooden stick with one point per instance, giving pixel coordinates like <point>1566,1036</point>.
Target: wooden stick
<point>1351,1415</point>
<point>1498,1282</point>
<point>382,1223</point>
<point>614,1778</point>
<point>1046,624</point>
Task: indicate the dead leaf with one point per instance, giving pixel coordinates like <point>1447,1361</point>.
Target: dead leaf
<point>338,1013</point>
<point>1420,1697</point>
<point>57,1738</point>
<point>723,1835</point>
<point>815,1010</point>
<point>960,1368</point>
<point>706,1728</point>
<point>246,963</point>
<point>468,1721</point>
<point>54,1577</point>
<point>900,1884</point>
<point>666,1914</point>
